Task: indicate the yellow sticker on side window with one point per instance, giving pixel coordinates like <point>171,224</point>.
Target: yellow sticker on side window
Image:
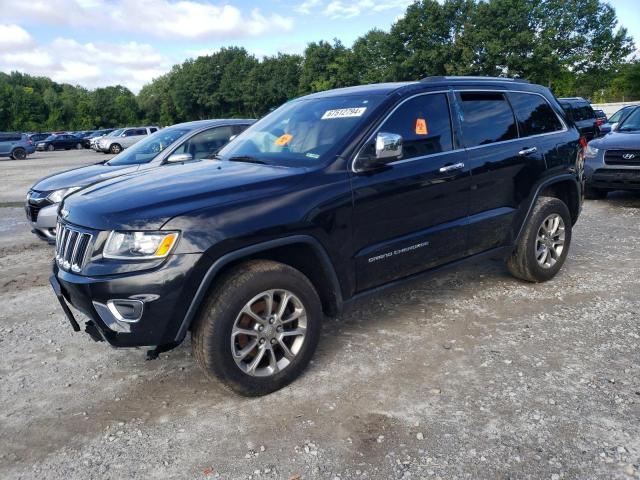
<point>282,140</point>
<point>421,126</point>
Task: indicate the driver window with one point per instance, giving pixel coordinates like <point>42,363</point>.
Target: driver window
<point>424,124</point>
<point>205,144</point>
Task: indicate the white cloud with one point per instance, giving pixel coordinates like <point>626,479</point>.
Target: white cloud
<point>349,8</point>
<point>167,19</point>
<point>89,64</point>
<point>14,37</point>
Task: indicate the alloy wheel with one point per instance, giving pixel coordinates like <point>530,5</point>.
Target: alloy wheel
<point>550,241</point>
<point>268,333</point>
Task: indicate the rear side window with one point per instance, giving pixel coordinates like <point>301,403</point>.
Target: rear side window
<point>486,118</point>
<point>535,115</point>
<point>10,137</point>
<point>153,129</point>
<point>424,124</point>
<point>583,112</point>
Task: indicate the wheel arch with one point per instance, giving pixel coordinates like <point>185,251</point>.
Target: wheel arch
<point>303,252</point>
<point>565,187</point>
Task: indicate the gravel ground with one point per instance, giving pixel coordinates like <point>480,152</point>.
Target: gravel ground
<point>469,374</point>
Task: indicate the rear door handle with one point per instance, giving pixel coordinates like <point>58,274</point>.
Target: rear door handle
<point>528,151</point>
<point>450,168</point>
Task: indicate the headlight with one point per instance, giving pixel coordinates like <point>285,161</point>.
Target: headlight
<point>139,245</point>
<point>57,195</point>
<point>590,152</point>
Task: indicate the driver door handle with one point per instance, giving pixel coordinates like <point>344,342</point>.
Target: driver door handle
<point>527,151</point>
<point>450,168</point>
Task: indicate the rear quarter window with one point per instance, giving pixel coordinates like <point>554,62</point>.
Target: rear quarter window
<point>535,115</point>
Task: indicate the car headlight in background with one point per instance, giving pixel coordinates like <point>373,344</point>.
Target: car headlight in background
<point>590,152</point>
<point>139,245</point>
<point>57,195</point>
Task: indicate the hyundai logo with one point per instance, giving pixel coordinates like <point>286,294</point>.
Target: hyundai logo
<point>629,156</point>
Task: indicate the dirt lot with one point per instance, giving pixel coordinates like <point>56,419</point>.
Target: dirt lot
<point>470,374</point>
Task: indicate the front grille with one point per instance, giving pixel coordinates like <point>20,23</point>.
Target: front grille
<point>72,247</point>
<point>617,157</point>
<point>32,212</point>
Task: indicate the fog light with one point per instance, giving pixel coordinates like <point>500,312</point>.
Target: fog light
<point>124,310</point>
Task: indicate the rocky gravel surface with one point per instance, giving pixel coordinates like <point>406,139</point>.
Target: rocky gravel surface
<point>470,374</point>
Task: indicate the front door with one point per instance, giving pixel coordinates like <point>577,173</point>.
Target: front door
<point>412,214</point>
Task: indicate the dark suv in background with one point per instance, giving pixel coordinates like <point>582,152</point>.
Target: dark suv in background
<point>328,198</point>
<point>583,115</point>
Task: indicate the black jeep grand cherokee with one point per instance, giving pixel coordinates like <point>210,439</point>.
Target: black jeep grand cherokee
<point>324,200</point>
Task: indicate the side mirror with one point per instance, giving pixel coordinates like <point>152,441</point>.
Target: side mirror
<point>179,157</point>
<point>386,148</point>
<point>614,126</point>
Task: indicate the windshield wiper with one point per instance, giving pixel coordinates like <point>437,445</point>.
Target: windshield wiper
<point>247,159</point>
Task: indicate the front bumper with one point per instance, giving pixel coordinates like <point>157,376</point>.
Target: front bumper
<point>607,176</point>
<point>615,179</point>
<point>43,216</point>
<point>165,293</point>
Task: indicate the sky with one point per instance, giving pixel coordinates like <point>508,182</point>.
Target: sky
<point>97,43</point>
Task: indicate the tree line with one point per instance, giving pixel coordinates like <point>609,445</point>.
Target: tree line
<point>575,48</point>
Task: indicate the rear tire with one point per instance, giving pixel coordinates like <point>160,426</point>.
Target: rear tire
<point>591,193</point>
<point>115,148</point>
<point>234,358</point>
<point>19,154</point>
<point>544,243</point>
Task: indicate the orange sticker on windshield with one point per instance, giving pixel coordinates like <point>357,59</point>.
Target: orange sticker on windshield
<point>282,140</point>
<point>421,126</point>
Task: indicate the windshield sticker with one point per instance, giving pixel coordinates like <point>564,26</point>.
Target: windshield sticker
<point>312,155</point>
<point>282,140</point>
<point>344,113</point>
<point>421,126</point>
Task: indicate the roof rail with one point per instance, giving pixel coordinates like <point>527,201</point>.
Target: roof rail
<point>471,77</point>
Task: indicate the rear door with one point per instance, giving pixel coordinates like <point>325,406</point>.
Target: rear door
<point>411,215</point>
<point>502,166</point>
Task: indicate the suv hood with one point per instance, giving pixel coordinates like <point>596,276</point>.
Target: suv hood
<point>146,200</point>
<point>81,177</point>
<point>617,140</point>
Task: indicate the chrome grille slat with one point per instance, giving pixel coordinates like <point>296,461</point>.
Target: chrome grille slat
<point>72,247</point>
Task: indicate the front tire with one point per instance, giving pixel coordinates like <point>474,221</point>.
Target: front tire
<point>115,148</point>
<point>78,146</point>
<point>258,328</point>
<point>51,148</point>
<point>19,154</point>
<point>544,243</point>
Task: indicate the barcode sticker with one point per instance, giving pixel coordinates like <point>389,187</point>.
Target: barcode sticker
<point>344,113</point>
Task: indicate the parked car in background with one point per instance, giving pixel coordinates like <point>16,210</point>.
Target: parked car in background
<point>613,161</point>
<point>616,118</point>
<point>601,119</point>
<point>582,114</point>
<point>92,140</point>
<point>37,137</point>
<point>178,143</point>
<point>328,198</point>
<point>128,137</point>
<point>15,145</point>
<point>63,141</point>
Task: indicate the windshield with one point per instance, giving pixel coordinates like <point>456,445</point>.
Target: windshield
<point>146,150</point>
<point>51,137</point>
<point>302,132</point>
<point>631,123</point>
<point>616,116</point>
